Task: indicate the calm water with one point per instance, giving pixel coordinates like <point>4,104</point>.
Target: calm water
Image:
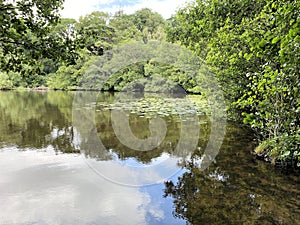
<point>65,163</point>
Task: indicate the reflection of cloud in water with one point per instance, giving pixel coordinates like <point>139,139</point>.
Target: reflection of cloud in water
<point>44,188</point>
<point>133,173</point>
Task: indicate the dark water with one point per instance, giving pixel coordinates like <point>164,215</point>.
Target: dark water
<point>65,163</point>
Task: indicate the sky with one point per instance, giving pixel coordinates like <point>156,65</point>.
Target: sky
<point>76,8</point>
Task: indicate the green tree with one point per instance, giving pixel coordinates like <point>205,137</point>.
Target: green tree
<point>272,104</point>
<point>94,33</point>
<point>91,36</point>
<point>25,26</point>
<point>66,31</point>
<point>26,38</point>
<point>148,23</point>
<point>253,48</point>
<point>125,29</point>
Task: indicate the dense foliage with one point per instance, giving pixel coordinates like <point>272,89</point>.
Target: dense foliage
<point>26,40</point>
<point>98,33</point>
<point>253,47</point>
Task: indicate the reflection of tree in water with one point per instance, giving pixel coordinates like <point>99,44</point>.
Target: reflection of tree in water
<point>140,128</point>
<point>40,119</point>
<point>92,118</point>
<point>235,190</point>
<point>141,108</point>
<point>37,120</point>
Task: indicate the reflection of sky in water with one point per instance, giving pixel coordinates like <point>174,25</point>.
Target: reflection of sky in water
<point>131,172</point>
<point>45,188</point>
<point>133,162</point>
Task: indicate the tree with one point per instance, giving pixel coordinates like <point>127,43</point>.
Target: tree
<point>253,48</point>
<point>125,29</point>
<point>91,36</point>
<point>271,106</point>
<point>25,26</point>
<point>94,33</point>
<point>148,23</point>
<point>64,30</point>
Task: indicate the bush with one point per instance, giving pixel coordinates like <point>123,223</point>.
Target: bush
<point>5,82</point>
<point>283,149</point>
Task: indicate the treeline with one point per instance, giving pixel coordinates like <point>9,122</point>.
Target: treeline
<point>253,47</point>
<point>75,45</point>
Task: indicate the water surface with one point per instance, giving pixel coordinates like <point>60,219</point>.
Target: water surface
<point>54,170</point>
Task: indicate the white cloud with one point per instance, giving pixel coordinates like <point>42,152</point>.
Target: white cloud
<point>77,8</point>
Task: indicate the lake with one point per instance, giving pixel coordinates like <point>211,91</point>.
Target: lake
<point>101,158</point>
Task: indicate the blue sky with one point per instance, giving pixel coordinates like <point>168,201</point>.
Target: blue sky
<point>77,8</point>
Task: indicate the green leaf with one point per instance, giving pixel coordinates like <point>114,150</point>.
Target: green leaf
<point>286,153</point>
<point>275,40</point>
<point>262,43</point>
<point>248,56</point>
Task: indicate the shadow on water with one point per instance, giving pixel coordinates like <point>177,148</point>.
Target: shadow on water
<point>235,189</point>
